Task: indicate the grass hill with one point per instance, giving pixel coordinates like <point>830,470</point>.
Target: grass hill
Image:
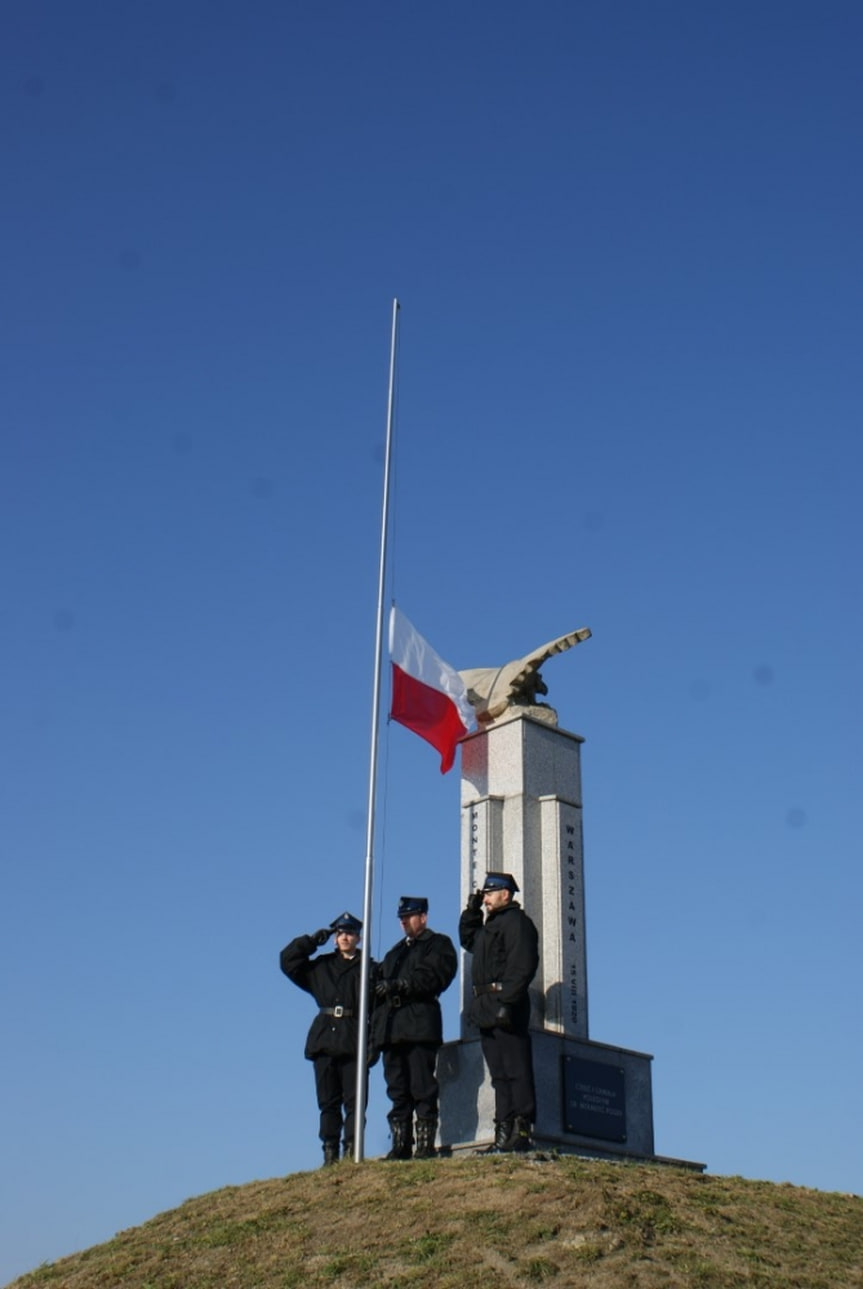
<point>485,1221</point>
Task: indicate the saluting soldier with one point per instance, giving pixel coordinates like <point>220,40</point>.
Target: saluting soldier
<point>333,980</point>
<point>407,1026</point>
<point>505,951</point>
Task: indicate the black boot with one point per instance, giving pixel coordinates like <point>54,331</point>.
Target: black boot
<point>402,1142</point>
<point>520,1139</point>
<point>331,1151</point>
<point>503,1129</point>
<point>426,1133</point>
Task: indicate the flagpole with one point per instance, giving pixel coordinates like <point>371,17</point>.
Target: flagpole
<point>365,984</point>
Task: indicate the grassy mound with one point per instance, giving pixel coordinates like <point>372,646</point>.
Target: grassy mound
<point>494,1221</point>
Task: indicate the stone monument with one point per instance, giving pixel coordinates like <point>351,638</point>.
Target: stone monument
<point>521,808</point>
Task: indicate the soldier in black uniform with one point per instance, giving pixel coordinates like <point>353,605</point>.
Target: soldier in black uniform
<point>407,1026</point>
<point>505,959</point>
<point>333,980</point>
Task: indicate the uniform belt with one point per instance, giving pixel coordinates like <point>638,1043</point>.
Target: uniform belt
<point>338,1012</point>
<point>494,988</point>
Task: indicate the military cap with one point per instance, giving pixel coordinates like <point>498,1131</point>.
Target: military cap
<point>500,882</point>
<point>347,922</point>
<point>409,904</point>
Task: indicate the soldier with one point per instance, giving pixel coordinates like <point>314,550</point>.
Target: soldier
<point>407,1026</point>
<point>333,980</point>
<point>505,959</point>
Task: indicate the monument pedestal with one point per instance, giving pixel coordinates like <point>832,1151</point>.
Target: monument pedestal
<point>522,814</point>
<point>592,1099</point>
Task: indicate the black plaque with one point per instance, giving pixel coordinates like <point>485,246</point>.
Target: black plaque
<point>594,1101</point>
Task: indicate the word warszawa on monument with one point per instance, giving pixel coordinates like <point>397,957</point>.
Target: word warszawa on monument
<point>521,809</point>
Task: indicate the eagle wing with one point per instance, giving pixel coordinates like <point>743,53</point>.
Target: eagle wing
<point>492,689</point>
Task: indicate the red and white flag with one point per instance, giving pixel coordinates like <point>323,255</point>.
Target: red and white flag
<point>429,696</point>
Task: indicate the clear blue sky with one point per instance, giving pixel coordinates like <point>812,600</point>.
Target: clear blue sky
<point>626,238</point>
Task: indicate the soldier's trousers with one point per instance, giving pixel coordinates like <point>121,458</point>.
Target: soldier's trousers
<point>409,1070</point>
<point>509,1057</point>
<point>336,1086</point>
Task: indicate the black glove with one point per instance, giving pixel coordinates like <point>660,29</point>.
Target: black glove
<point>390,988</point>
<point>321,937</point>
<point>503,1016</point>
<point>474,902</point>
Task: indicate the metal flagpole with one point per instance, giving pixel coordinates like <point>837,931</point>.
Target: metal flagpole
<point>363,1027</point>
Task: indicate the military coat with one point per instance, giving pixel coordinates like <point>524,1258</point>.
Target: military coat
<point>334,983</point>
<point>427,964</point>
<point>505,951</point>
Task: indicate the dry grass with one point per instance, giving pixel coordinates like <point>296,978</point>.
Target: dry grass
<point>502,1221</point>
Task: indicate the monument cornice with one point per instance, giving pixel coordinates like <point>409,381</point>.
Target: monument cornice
<point>514,715</point>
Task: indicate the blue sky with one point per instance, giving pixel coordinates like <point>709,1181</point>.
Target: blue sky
<point>626,242</point>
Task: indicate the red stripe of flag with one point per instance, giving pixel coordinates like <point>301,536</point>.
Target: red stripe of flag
<point>429,713</point>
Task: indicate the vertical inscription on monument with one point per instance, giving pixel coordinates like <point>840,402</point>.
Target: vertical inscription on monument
<point>571,921</point>
<point>483,825</point>
<point>565,946</point>
<point>572,910</point>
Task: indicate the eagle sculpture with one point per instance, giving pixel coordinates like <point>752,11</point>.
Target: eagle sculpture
<point>492,690</point>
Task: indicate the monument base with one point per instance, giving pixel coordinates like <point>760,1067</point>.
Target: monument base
<point>592,1099</point>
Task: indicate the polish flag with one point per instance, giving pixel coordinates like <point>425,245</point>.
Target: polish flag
<point>429,696</point>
